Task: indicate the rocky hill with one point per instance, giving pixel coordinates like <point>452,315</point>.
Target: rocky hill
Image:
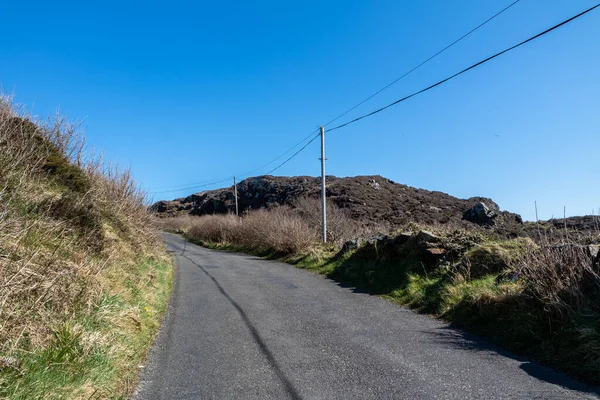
<point>369,199</point>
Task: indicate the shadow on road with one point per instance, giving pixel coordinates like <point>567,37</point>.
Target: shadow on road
<point>349,286</point>
<point>459,339</point>
<point>289,387</point>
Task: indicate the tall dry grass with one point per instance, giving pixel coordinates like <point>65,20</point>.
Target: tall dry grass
<point>564,279</point>
<point>222,229</point>
<point>279,229</point>
<point>340,227</point>
<point>179,224</point>
<point>69,225</point>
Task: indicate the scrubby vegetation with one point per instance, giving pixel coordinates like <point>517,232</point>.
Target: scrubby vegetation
<point>84,278</point>
<point>536,296</point>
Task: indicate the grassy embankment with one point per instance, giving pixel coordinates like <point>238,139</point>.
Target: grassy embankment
<point>525,295</point>
<point>84,278</point>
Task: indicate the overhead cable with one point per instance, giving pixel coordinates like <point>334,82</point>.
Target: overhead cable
<point>423,63</point>
<point>466,69</point>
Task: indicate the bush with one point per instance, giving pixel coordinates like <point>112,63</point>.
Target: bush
<point>179,224</point>
<point>564,280</point>
<point>340,227</point>
<point>216,228</point>
<point>279,230</point>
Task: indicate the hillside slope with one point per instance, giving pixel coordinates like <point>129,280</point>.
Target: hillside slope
<point>370,199</point>
<point>84,277</point>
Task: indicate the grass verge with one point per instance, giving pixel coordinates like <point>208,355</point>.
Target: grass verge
<point>84,276</point>
<point>95,355</point>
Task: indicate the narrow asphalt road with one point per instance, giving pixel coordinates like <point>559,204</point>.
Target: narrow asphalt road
<point>239,327</point>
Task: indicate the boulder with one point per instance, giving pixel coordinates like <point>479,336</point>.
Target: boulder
<point>425,238</point>
<point>374,184</point>
<point>435,252</point>
<point>481,214</point>
<point>351,245</point>
<point>377,238</point>
<point>593,250</point>
<point>402,238</point>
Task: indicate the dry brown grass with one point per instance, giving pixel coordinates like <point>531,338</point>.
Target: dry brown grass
<point>225,228</point>
<point>340,227</point>
<point>179,224</point>
<point>65,221</point>
<point>563,279</point>
<point>279,229</point>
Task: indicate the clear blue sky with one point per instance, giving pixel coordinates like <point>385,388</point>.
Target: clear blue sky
<point>192,91</point>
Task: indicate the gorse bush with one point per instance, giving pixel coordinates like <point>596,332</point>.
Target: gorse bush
<point>72,230</point>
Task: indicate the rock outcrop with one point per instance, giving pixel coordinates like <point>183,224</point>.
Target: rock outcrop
<point>481,214</point>
<point>372,200</point>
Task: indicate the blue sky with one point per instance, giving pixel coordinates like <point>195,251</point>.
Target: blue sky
<point>185,92</point>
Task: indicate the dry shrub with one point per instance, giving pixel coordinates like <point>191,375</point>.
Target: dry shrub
<point>282,229</point>
<point>564,284</point>
<point>215,228</point>
<point>563,279</point>
<point>279,229</point>
<point>179,224</point>
<point>340,227</point>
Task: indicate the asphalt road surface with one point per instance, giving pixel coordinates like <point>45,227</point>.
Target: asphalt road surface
<point>239,327</point>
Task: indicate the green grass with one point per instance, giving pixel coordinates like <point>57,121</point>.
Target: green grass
<point>95,355</point>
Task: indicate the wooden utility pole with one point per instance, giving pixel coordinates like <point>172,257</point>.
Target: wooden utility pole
<point>323,194</point>
<point>236,196</point>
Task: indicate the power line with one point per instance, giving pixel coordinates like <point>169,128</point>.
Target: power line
<point>400,100</point>
<point>186,185</point>
<point>293,155</point>
<point>423,63</point>
<point>200,184</point>
<point>195,185</point>
<point>288,151</point>
<point>466,69</point>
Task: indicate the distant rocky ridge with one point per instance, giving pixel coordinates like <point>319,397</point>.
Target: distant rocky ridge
<point>369,199</point>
